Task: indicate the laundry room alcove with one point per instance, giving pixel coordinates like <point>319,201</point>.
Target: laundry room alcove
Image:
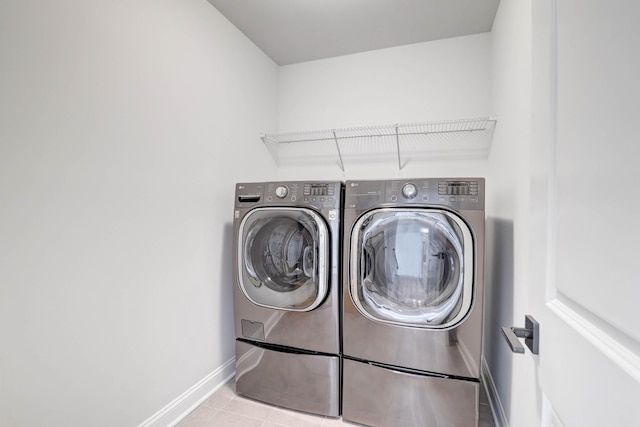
<point>468,138</point>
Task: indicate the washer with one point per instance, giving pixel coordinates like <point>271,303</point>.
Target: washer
<point>413,301</point>
<point>286,294</point>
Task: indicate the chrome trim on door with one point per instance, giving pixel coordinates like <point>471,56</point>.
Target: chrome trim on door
<point>467,268</point>
<point>321,239</point>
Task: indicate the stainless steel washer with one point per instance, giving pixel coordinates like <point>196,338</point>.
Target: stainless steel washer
<point>286,294</point>
<point>412,301</point>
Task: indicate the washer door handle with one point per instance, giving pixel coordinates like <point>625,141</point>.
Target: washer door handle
<point>530,333</point>
<point>309,261</point>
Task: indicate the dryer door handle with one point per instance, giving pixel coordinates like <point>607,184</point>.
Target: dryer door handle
<point>366,263</point>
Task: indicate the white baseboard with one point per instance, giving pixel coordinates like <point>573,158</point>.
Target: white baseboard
<point>492,394</point>
<point>181,406</point>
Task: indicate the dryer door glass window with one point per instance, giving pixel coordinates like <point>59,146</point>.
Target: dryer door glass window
<point>411,267</point>
<point>282,258</point>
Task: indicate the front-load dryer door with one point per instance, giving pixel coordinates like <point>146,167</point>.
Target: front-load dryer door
<point>412,267</point>
<point>283,257</point>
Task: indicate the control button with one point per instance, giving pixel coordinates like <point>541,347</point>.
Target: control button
<point>394,198</point>
<point>425,198</point>
<point>409,191</point>
<point>452,199</point>
<point>281,192</point>
<point>293,198</point>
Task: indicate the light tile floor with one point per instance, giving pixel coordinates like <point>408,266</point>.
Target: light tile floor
<point>225,408</point>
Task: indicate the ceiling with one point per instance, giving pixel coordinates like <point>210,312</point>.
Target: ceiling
<point>292,31</point>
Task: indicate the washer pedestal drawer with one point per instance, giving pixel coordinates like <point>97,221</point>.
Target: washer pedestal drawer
<point>300,381</point>
<point>382,397</point>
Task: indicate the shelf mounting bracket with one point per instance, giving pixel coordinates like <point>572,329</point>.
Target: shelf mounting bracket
<point>335,138</point>
<point>398,147</point>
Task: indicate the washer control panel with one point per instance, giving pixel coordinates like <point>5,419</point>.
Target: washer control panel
<point>313,193</point>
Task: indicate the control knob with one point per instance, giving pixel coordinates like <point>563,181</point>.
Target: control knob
<point>281,192</point>
<point>409,191</point>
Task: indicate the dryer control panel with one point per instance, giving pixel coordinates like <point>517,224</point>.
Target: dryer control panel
<point>457,193</point>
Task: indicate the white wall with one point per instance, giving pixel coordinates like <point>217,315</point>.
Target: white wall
<point>125,125</point>
<point>440,80</point>
<point>507,211</point>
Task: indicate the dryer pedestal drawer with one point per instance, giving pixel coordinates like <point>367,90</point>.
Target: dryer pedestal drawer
<point>382,397</point>
<point>300,381</point>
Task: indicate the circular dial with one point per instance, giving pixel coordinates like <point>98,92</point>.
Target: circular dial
<point>409,191</point>
<point>281,192</point>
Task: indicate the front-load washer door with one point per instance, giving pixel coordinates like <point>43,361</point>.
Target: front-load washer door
<point>282,258</point>
<point>412,267</point>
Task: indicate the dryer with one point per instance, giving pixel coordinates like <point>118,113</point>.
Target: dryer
<point>286,294</point>
<point>413,301</point>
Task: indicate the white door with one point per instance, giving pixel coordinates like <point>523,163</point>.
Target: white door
<point>585,250</point>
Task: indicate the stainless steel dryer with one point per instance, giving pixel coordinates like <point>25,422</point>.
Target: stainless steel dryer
<point>412,301</point>
<point>286,294</point>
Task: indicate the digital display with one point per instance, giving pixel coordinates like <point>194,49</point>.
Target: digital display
<point>458,188</point>
<point>318,190</point>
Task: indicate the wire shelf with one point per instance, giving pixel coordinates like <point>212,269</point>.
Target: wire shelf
<point>462,138</point>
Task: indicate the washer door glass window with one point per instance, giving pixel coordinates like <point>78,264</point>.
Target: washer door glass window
<point>412,267</point>
<point>282,258</point>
